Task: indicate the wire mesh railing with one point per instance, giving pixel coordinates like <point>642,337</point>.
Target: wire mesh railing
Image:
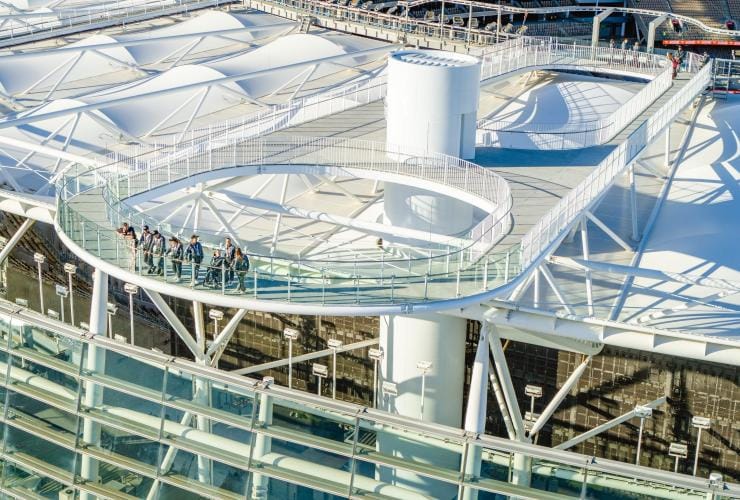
<point>526,52</point>
<point>561,216</point>
<point>24,26</point>
<point>386,273</point>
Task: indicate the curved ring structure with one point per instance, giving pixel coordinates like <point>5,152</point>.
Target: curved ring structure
<point>93,203</point>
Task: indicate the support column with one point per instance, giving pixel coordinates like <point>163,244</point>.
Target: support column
<point>475,414</point>
<point>633,203</point>
<point>405,341</point>
<point>262,446</point>
<point>95,362</point>
<point>597,27</point>
<point>521,469</point>
<point>13,241</point>
<point>202,392</point>
<point>651,32</point>
<point>667,157</point>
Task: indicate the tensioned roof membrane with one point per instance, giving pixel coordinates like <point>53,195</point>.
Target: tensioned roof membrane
<point>21,71</point>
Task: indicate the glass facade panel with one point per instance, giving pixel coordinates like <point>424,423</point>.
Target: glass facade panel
<point>42,453</point>
<point>115,477</point>
<point>24,482</point>
<point>213,429</point>
<point>314,427</point>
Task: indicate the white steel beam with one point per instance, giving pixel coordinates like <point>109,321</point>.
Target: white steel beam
<point>504,376</point>
<point>688,304</point>
<point>95,363</point>
<point>584,247</point>
<point>13,241</point>
<point>608,425</point>
<point>201,393</point>
<point>498,393</point>
<point>571,381</point>
<point>374,228</point>
<point>614,236</point>
<point>217,213</point>
<point>475,413</point>
<point>305,357</point>
<point>167,461</point>
<point>224,335</point>
<point>175,323</point>
<point>556,290</point>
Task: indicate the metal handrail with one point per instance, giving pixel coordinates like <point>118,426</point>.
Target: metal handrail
<point>560,218</point>
<point>547,52</point>
<point>54,21</point>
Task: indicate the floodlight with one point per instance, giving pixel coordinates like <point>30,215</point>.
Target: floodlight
<point>70,268</point>
<point>533,391</point>
<point>111,308</point>
<point>701,422</point>
<point>216,314</point>
<point>21,302</point>
<point>334,343</point>
<point>375,354</point>
<point>424,366</point>
<point>320,370</point>
<point>643,411</point>
<point>679,450</point>
<point>52,314</point>
<point>39,258</point>
<point>61,291</point>
<point>131,288</point>
<point>291,333</point>
<point>390,388</point>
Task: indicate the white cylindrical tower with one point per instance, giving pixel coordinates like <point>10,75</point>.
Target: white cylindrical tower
<point>432,107</point>
<point>432,101</point>
<point>424,356</point>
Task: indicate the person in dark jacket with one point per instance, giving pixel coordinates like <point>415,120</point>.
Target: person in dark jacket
<point>145,244</point>
<point>241,266</point>
<point>157,249</point>
<point>194,255</point>
<point>176,253</point>
<point>681,56</point>
<point>215,268</point>
<point>229,254</point>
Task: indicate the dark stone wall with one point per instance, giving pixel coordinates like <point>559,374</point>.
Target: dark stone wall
<point>615,382</point>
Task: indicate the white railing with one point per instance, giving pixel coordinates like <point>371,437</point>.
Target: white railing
<point>503,58</point>
<point>290,114</point>
<point>561,216</point>
<point>527,52</point>
<point>128,175</point>
<point>23,26</point>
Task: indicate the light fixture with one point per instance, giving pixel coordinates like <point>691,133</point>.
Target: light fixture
<point>320,371</point>
<point>389,389</point>
<point>291,334</point>
<point>678,451</point>
<point>701,423</point>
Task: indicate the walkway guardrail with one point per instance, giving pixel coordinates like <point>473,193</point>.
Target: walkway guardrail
<point>502,59</point>
<point>562,215</point>
<point>26,27</point>
<point>547,52</point>
<point>384,274</point>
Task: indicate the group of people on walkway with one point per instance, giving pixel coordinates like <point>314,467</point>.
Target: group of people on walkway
<point>152,248</point>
